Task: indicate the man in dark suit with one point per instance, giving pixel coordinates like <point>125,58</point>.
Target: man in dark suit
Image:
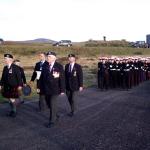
<point>74,81</point>
<point>52,83</point>
<point>36,75</point>
<point>11,83</point>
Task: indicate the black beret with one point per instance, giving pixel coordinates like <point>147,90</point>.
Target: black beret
<point>51,53</point>
<point>8,55</point>
<point>71,55</point>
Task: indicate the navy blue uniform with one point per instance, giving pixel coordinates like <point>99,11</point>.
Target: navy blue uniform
<point>74,80</point>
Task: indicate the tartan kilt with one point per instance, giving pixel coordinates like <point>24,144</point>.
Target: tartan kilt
<point>10,92</point>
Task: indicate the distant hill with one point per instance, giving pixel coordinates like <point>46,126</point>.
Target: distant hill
<point>38,40</point>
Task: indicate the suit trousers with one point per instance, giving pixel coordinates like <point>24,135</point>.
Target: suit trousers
<point>42,102</point>
<point>52,104</point>
<point>72,96</point>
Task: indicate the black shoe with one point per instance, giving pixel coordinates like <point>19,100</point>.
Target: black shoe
<point>49,125</point>
<point>71,114</point>
<point>12,114</point>
<point>22,102</point>
<point>9,114</point>
<point>38,110</point>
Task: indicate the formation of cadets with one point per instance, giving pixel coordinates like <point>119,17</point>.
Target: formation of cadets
<point>122,73</point>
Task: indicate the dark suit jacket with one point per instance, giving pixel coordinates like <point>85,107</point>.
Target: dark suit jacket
<point>38,67</point>
<point>49,84</point>
<point>11,77</point>
<point>22,75</point>
<point>74,80</point>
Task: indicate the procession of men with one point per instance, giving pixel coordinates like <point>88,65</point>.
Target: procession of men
<point>52,79</point>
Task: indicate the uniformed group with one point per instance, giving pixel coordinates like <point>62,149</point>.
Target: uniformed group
<point>122,73</point>
<point>52,79</point>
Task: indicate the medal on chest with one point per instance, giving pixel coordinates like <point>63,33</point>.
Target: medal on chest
<point>55,73</point>
<point>75,74</point>
<point>10,70</point>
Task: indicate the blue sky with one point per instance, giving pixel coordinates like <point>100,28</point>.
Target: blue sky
<point>77,20</point>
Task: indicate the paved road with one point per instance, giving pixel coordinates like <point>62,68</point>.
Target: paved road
<point>111,120</point>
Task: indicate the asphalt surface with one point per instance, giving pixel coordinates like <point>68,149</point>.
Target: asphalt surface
<point>109,120</point>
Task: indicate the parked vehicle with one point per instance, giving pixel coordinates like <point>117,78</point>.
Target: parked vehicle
<point>139,44</point>
<point>67,43</point>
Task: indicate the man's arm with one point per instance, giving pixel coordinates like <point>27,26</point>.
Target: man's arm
<point>33,77</point>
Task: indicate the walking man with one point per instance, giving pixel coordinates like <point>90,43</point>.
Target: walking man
<point>11,83</point>
<point>74,81</point>
<point>36,75</point>
<point>52,83</point>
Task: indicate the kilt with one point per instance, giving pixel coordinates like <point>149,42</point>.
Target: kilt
<point>10,92</point>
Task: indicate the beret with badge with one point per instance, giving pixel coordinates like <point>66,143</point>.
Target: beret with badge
<point>51,53</point>
<point>8,56</point>
<point>71,55</point>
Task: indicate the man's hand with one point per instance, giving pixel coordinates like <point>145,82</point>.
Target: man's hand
<point>38,90</point>
<point>81,89</point>
<point>31,83</point>
<point>20,88</point>
<point>24,84</point>
<point>62,93</point>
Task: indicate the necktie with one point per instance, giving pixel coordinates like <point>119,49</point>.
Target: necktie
<point>70,68</point>
<point>41,63</point>
<point>50,67</point>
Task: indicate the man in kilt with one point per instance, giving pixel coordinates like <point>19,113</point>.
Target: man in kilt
<point>11,83</point>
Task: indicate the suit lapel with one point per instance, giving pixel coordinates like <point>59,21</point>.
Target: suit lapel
<point>10,69</point>
<point>74,68</point>
<point>68,68</point>
<point>54,67</point>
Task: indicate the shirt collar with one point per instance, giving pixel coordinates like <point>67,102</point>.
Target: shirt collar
<point>52,64</point>
<point>43,61</point>
<point>9,65</point>
<point>72,64</point>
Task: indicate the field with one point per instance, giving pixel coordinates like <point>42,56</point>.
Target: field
<point>87,56</point>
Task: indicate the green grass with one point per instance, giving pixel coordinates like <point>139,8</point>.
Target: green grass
<point>79,50</point>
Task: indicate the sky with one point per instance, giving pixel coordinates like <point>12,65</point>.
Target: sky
<point>76,20</point>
